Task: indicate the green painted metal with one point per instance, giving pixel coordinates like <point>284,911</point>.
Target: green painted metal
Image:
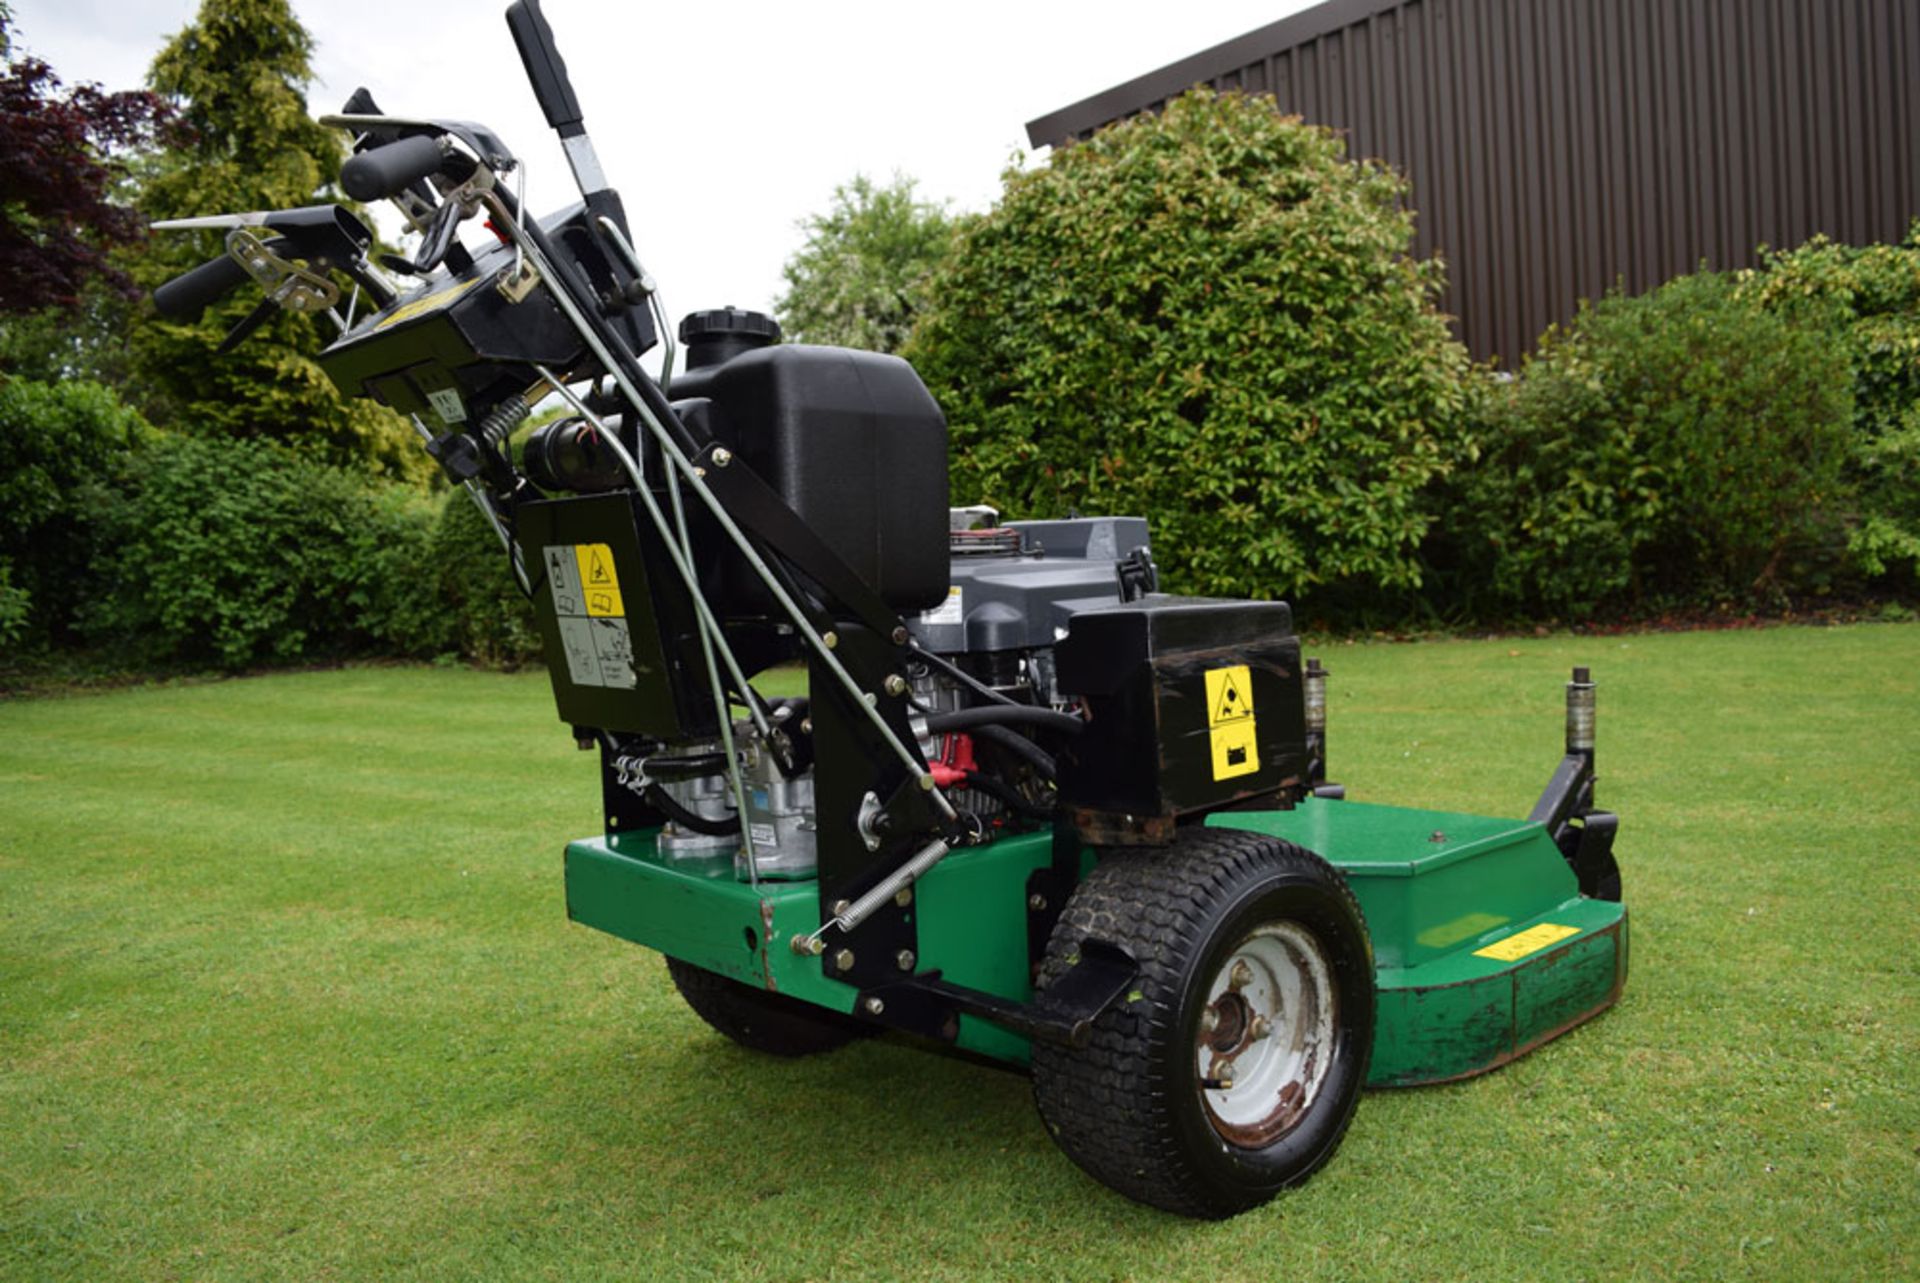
<point>1437,888</point>
<point>972,911</point>
<point>695,910</point>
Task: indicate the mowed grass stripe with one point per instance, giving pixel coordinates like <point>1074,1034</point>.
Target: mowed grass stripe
<point>286,991</point>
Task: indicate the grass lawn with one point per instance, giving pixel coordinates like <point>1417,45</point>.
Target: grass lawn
<point>287,991</point>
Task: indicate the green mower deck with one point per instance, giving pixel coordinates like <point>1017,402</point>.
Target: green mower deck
<point>1484,947</point>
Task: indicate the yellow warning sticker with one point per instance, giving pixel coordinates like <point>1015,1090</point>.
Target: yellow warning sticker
<point>1230,721</point>
<point>1229,695</point>
<point>1521,943</point>
<point>423,303</point>
<point>599,581</point>
<point>1235,751</point>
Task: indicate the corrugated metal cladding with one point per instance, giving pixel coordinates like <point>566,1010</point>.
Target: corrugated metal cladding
<point>1558,146</point>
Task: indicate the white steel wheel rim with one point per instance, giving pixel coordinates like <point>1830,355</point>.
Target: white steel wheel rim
<point>1264,1042</point>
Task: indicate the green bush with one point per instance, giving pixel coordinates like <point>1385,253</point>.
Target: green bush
<point>1679,446</point>
<point>1868,299</point>
<point>486,617</point>
<point>63,442</point>
<point>15,609</point>
<point>241,552</point>
<point>1206,317</point>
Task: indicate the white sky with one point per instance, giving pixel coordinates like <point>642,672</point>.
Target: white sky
<point>722,125</point>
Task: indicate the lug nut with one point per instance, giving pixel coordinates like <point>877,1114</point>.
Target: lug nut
<point>1240,977</point>
<point>1260,1028</point>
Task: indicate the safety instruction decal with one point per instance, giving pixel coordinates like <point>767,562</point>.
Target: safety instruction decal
<point>950,611</point>
<point>591,614</point>
<point>1230,727</point>
<point>1521,943</point>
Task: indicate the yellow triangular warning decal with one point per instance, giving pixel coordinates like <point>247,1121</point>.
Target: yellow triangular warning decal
<point>1229,695</point>
<point>599,569</point>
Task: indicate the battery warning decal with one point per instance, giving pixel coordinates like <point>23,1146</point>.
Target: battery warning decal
<point>591,615</point>
<point>1521,943</point>
<point>1230,727</point>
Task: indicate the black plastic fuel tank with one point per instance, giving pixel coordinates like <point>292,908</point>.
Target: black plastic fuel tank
<point>852,440</point>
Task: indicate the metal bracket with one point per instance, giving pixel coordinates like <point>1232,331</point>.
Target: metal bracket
<point>514,286</point>
<point>1063,1015</point>
<point>288,284</point>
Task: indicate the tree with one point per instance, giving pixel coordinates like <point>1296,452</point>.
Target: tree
<point>238,75</point>
<point>60,163</point>
<point>1207,317</point>
<point>861,277</point>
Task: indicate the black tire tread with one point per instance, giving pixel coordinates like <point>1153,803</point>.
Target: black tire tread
<point>762,1021</point>
<point>1100,1103</point>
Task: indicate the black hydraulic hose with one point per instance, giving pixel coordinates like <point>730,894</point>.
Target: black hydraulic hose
<point>1007,795</point>
<point>1016,743</point>
<point>662,767</point>
<point>966,719</point>
<point>658,798</point>
<point>961,675</point>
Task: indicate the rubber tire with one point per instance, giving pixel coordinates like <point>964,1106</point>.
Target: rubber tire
<point>1126,1107</point>
<point>761,1021</point>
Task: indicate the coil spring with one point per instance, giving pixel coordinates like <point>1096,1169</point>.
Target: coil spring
<point>502,420</point>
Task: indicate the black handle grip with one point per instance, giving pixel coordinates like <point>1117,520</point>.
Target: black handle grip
<point>186,296</point>
<point>545,70</point>
<point>380,172</point>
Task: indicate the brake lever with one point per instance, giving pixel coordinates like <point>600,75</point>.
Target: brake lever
<point>254,319</point>
<point>439,238</point>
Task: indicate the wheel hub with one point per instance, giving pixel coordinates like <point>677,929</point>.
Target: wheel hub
<point>1265,1036</point>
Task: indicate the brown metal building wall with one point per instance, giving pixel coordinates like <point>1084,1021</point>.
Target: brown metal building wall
<point>1556,147</point>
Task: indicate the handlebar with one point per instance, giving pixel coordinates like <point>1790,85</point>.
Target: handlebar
<point>186,296</point>
<point>386,171</point>
<point>541,57</point>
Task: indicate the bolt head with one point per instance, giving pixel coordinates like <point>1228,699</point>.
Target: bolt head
<point>722,456</point>
<point>900,635</point>
<point>904,960</point>
<point>840,907</point>
<point>1036,902</point>
<point>829,639</point>
<point>843,960</point>
<point>1260,1028</point>
<point>896,684</point>
<point>903,897</point>
<point>1240,977</point>
<point>874,1006</point>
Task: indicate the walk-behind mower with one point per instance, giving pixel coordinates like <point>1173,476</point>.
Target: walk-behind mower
<point>1031,808</point>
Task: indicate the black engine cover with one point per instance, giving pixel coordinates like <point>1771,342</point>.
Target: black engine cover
<point>1195,704</point>
<point>854,443</point>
